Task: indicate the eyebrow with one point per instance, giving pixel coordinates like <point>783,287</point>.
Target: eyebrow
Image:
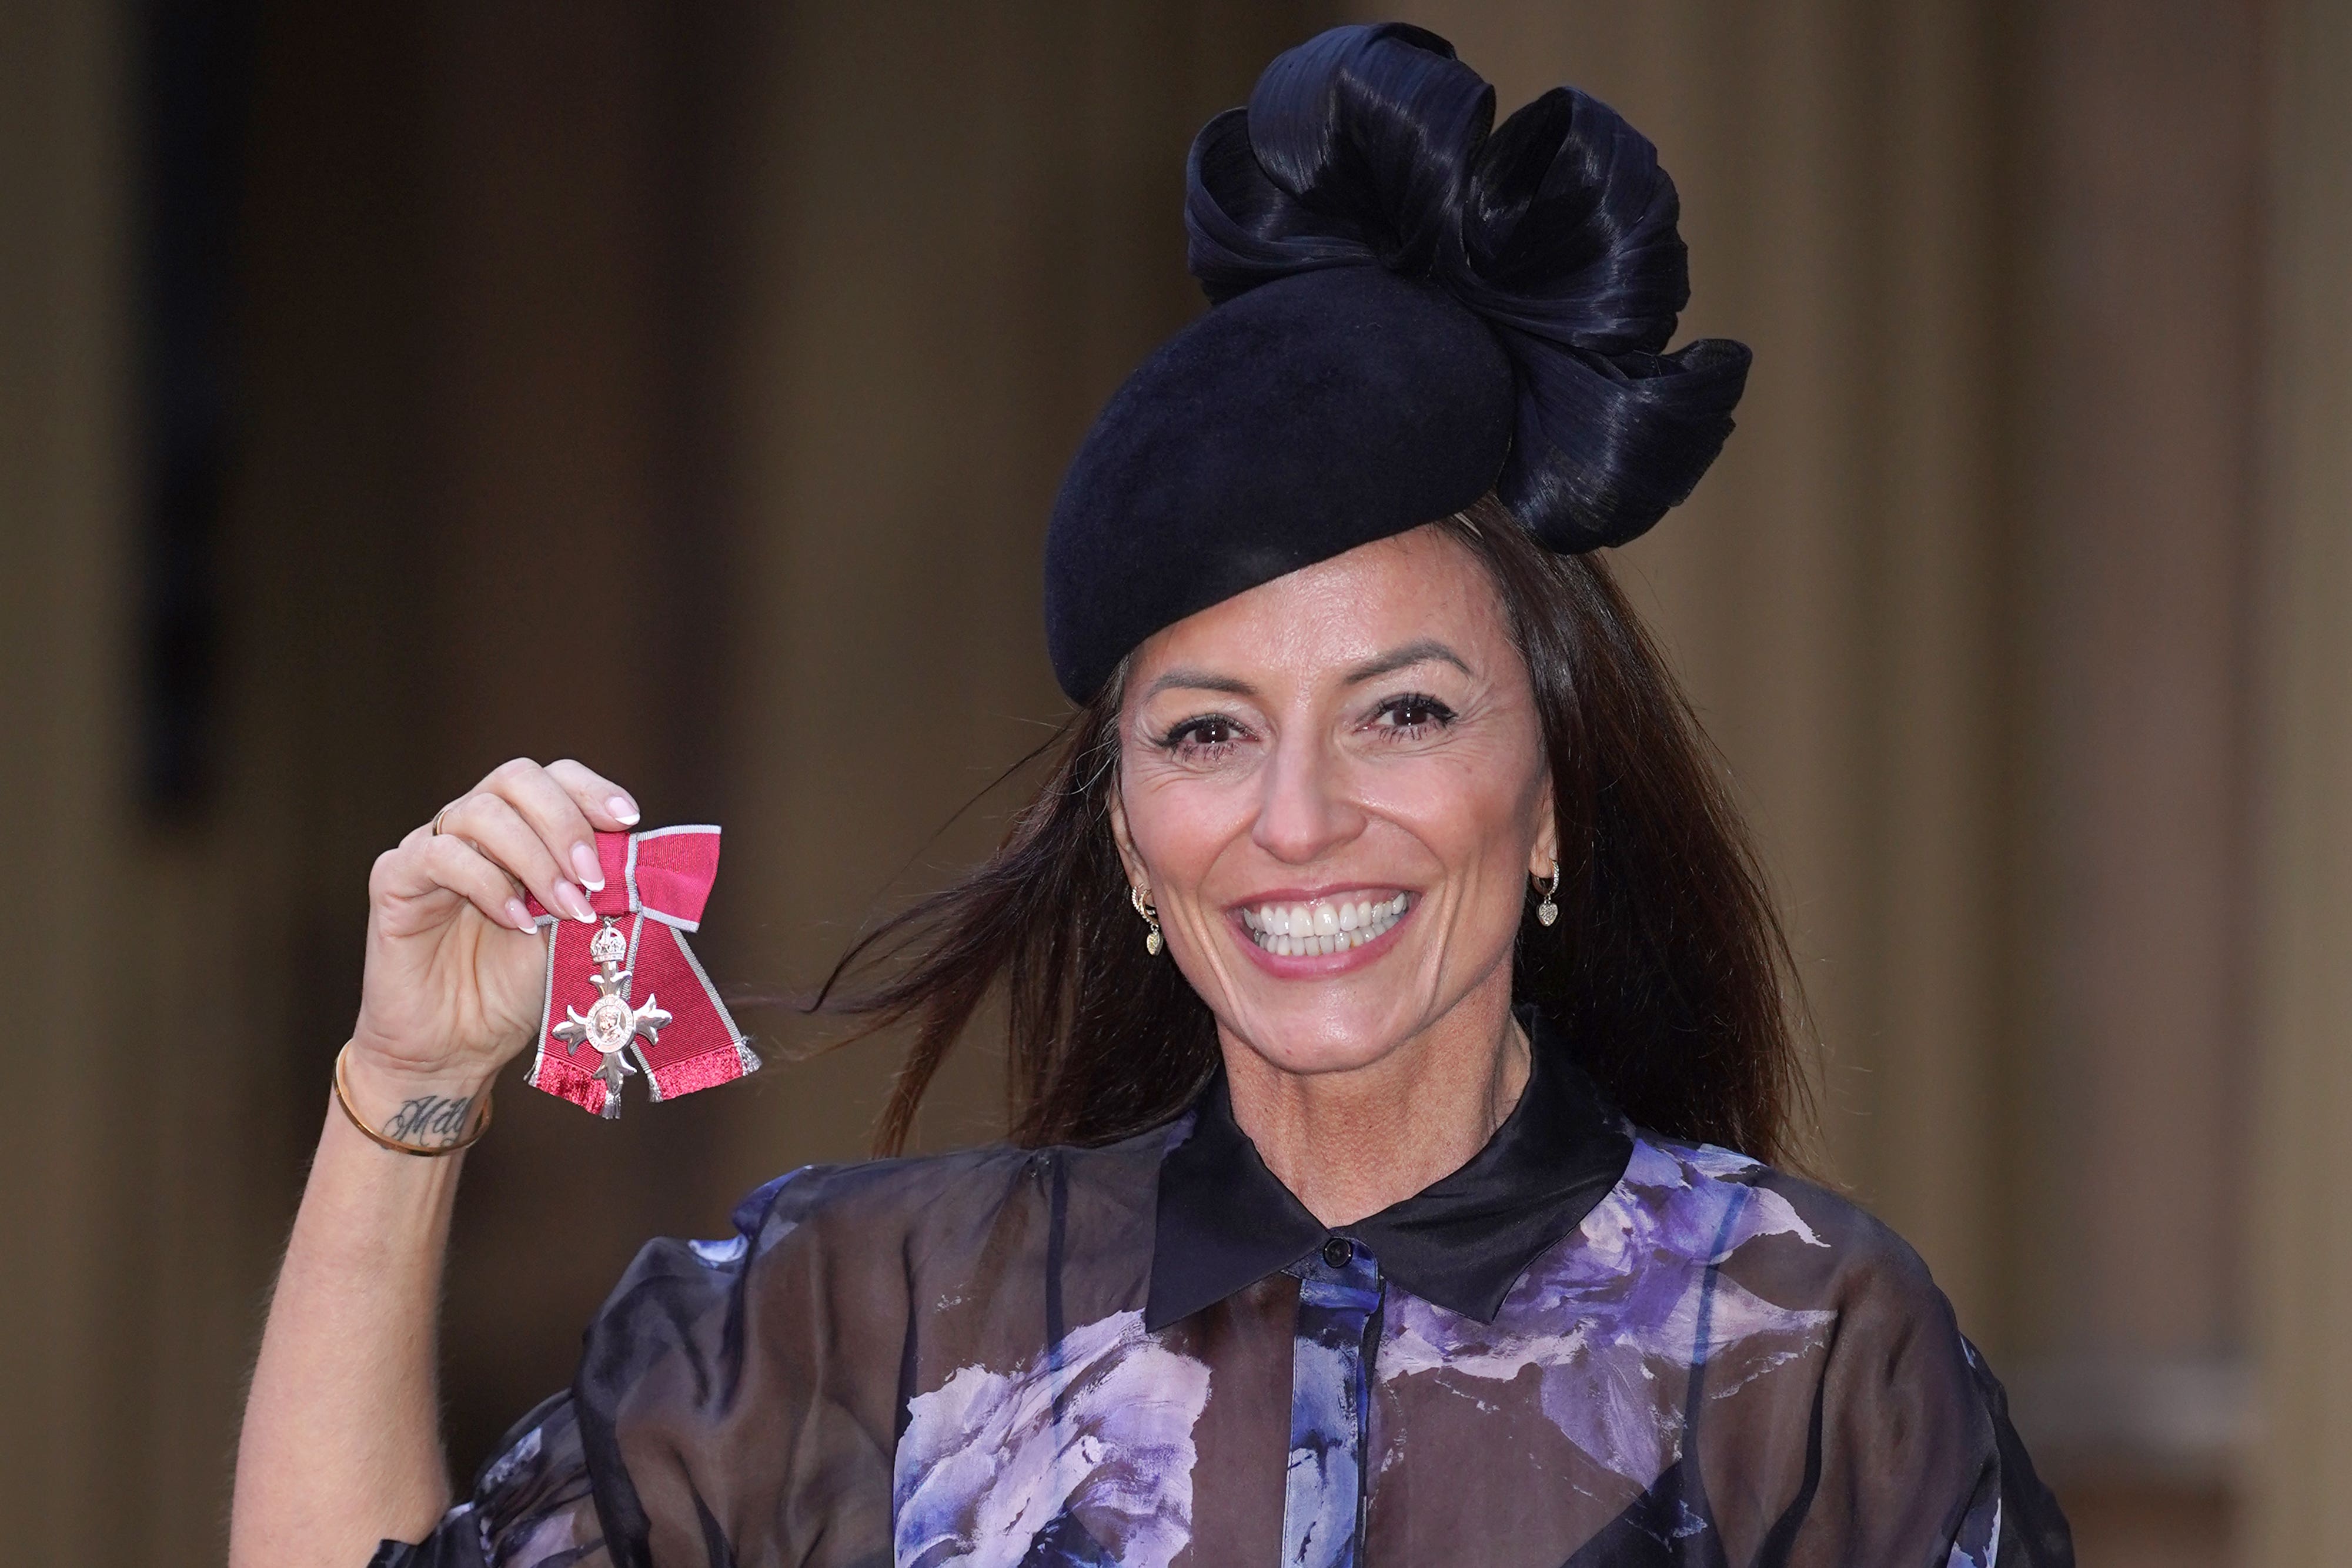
<point>1425,649</point>
<point>1199,681</point>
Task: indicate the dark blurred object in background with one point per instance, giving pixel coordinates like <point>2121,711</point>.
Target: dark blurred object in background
<point>192,69</point>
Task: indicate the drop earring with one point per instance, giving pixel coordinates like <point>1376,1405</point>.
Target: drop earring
<point>1549,910</point>
<point>1152,919</point>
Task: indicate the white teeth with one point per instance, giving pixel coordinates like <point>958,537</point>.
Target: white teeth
<point>1291,930</point>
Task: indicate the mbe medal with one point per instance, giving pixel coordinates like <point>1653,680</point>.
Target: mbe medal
<point>656,882</point>
<point>611,1023</point>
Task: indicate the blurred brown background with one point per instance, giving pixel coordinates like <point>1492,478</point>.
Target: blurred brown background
<point>388,391</point>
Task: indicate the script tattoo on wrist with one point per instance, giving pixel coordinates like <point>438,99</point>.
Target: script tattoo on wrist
<point>434,1121</point>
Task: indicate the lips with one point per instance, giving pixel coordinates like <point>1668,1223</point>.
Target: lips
<point>1325,925</point>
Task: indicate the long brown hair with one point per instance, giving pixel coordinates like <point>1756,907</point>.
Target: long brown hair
<point>1667,967</point>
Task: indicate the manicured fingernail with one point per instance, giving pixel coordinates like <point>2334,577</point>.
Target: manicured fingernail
<point>575,902</point>
<point>623,809</point>
<point>521,915</point>
<point>585,861</point>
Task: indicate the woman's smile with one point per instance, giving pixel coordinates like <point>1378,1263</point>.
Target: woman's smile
<point>1302,936</point>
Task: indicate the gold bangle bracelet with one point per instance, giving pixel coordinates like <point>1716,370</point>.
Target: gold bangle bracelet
<point>426,1151</point>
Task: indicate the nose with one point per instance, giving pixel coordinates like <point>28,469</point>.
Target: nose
<point>1308,807</point>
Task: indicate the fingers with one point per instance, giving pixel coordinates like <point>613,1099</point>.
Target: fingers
<point>540,823</point>
<point>604,802</point>
<point>556,817</point>
<point>517,837</point>
<point>524,826</point>
<point>427,861</point>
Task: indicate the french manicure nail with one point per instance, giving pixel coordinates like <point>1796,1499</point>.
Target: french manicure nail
<point>623,809</point>
<point>575,902</point>
<point>521,916</point>
<point>585,861</point>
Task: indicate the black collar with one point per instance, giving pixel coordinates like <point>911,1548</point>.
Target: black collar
<point>1226,1221</point>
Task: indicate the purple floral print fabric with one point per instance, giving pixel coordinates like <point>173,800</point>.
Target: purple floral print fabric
<point>1639,1305</point>
<point>1100,1435</point>
<point>949,1363</point>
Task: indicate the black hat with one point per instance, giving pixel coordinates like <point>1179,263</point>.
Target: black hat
<point>1407,312</point>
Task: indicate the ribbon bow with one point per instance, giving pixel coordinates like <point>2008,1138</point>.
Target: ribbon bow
<point>655,884</point>
<point>1369,146</point>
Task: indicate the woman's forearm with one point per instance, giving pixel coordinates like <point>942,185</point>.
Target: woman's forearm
<point>341,1445</point>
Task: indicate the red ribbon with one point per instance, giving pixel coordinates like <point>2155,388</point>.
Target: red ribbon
<point>655,884</point>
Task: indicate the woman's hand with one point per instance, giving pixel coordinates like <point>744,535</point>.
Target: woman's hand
<point>455,967</point>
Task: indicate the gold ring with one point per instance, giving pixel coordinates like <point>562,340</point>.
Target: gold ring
<point>441,813</point>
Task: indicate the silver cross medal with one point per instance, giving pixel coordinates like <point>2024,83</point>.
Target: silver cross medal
<point>610,1024</point>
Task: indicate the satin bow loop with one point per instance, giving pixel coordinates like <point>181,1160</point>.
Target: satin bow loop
<point>1374,146</point>
<point>627,995</point>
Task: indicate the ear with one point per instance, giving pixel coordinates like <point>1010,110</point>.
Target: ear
<point>1546,852</point>
<point>1135,876</point>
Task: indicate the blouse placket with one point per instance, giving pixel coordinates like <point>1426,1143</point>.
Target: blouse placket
<point>1323,1489</point>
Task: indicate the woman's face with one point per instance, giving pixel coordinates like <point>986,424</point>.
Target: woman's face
<point>1334,787</point>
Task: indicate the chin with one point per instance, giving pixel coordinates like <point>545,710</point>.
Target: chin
<point>1328,1035</point>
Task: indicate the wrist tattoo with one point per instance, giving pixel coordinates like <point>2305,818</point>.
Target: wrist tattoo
<point>433,1119</point>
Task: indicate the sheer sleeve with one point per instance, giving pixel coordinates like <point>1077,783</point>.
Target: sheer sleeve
<point>2018,1524</point>
<point>729,1392</point>
<point>531,1506</point>
<point>1911,1457</point>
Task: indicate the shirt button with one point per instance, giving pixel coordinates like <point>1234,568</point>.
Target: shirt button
<point>1338,1252</point>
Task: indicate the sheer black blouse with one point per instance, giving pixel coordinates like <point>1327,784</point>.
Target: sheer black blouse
<point>1588,1346</point>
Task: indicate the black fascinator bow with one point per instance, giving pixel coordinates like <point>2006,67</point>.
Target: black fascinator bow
<point>1374,146</point>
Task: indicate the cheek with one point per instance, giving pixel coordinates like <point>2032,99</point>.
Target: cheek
<point>1474,812</point>
<point>1180,822</point>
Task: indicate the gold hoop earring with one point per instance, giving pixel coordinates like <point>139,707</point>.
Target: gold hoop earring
<point>1549,910</point>
<point>1151,944</point>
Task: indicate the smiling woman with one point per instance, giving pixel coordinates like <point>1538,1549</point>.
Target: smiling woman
<point>1517,689</point>
<point>1399,1030</point>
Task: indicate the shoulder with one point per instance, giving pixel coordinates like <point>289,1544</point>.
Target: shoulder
<point>1895,1397</point>
<point>1886,1342</point>
<point>840,1254</point>
<point>1812,1242</point>
<point>1887,1330</point>
<point>908,1208</point>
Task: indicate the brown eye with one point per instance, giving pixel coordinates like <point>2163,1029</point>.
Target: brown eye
<point>1414,711</point>
<point>1210,731</point>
